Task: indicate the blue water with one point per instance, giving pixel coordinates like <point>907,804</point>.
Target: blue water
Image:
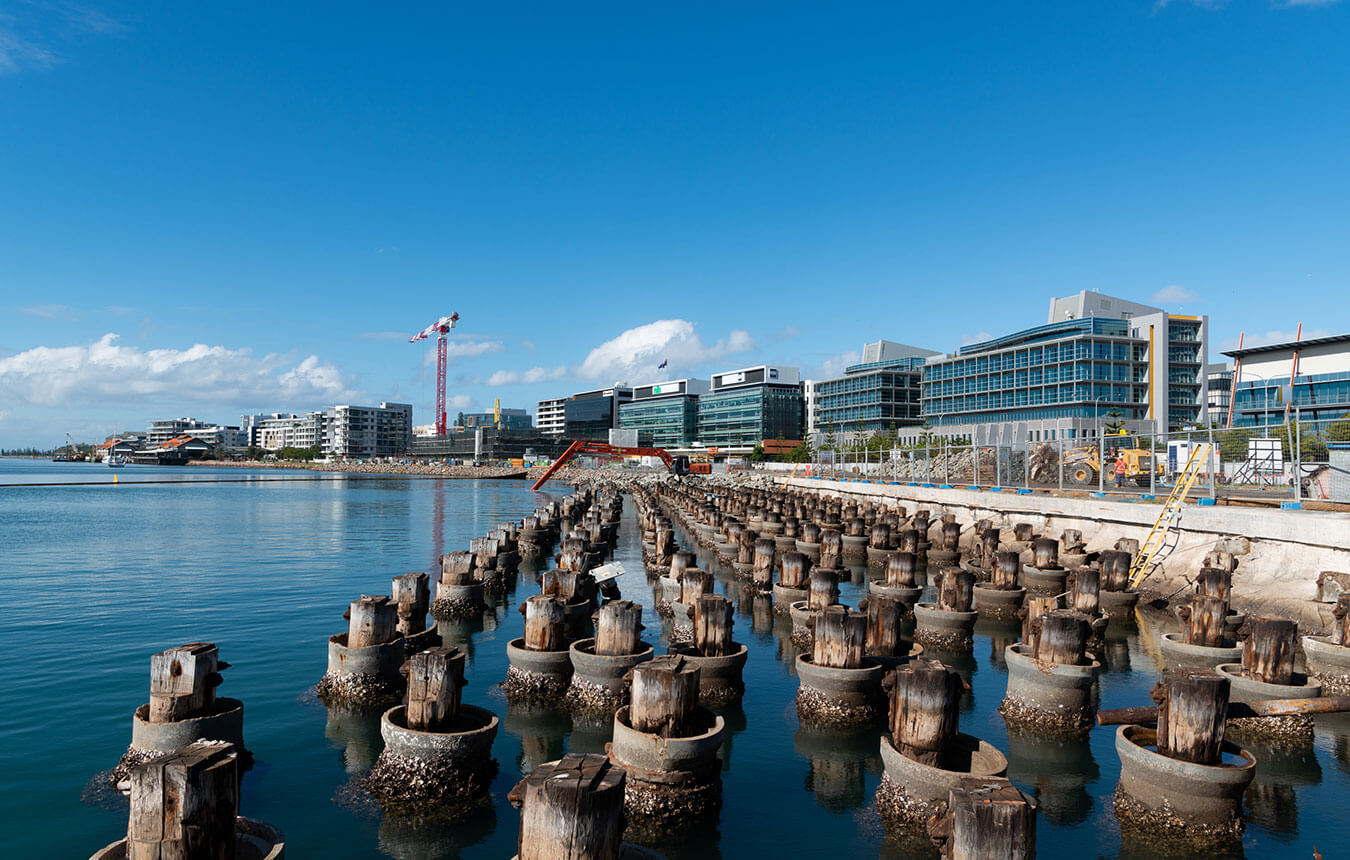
<point>97,578</point>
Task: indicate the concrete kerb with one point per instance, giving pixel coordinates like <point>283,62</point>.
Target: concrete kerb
<point>1329,663</point>
<point>1280,551</point>
<point>910,792</point>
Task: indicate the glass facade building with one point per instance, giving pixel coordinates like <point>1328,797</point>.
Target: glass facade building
<point>664,414</point>
<point>872,396</point>
<point>1310,376</point>
<point>745,407</point>
<point>592,414</point>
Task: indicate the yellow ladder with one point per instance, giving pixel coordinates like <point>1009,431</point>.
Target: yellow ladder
<point>1170,514</point>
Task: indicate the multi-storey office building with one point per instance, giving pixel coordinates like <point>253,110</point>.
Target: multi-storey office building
<point>1098,360</point>
<point>880,393</point>
<point>360,432</point>
<point>592,414</point>
<point>745,407</point>
<point>511,419</point>
<point>550,417</point>
<point>664,414</point>
<point>162,431</point>
<point>1220,388</point>
<point>1311,376</point>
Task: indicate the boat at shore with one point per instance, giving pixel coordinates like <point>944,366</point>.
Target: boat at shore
<point>115,461</point>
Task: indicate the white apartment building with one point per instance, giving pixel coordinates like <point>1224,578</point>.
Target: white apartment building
<point>360,432</point>
<point>551,416</point>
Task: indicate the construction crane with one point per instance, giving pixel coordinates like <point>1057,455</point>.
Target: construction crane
<point>677,465</point>
<point>441,328</point>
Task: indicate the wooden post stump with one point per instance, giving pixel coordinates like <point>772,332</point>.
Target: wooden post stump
<point>435,679</point>
<point>745,547</point>
<point>1063,638</point>
<point>412,593</point>
<point>925,698</point>
<point>571,809</point>
<point>454,565</point>
<point>1115,569</point>
<point>884,615</point>
<point>545,623</point>
<point>1031,613</point>
<point>989,541</point>
<point>1003,574</point>
<point>183,681</point>
<point>1340,632</point>
<point>823,590</point>
<point>680,562</point>
<point>762,574</point>
<point>840,636</point>
<point>1085,591</point>
<point>793,570</point>
<point>831,545</point>
<point>184,805</point>
<point>955,589</point>
<point>909,541</point>
<point>664,697</point>
<point>1221,560</point>
<point>372,621</point>
<point>951,537</point>
<point>1192,716</point>
<point>900,570</point>
<point>1203,620</point>
<point>713,620</point>
<point>1214,582</point>
<point>1046,553</point>
<point>986,819</point>
<point>693,584</point>
<point>619,628</point>
<point>880,536</point>
<point>1268,649</point>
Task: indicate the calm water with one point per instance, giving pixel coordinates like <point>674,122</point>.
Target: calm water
<point>98,578</point>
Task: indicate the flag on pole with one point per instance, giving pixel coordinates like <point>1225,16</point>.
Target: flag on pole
<point>663,363</point>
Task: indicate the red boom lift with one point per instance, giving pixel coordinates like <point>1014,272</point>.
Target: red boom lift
<point>581,446</point>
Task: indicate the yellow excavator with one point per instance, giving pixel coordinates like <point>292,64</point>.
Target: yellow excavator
<point>1082,465</point>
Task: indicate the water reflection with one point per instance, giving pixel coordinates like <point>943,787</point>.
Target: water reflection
<point>837,766</point>
<point>962,663</point>
<point>356,731</point>
<point>1058,772</point>
<point>408,838</point>
<point>1001,634</point>
<point>1115,656</point>
<point>734,719</point>
<point>1271,801</point>
<point>542,733</point>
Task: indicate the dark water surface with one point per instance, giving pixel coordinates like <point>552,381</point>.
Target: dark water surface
<point>96,579</point>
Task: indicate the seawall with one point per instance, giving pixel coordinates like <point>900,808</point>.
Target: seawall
<point>1280,553</point>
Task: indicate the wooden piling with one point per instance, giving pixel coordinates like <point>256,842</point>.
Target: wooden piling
<point>987,818</point>
<point>545,623</point>
<point>183,682</point>
<point>1203,620</point>
<point>713,619</point>
<point>884,615</point>
<point>571,808</point>
<point>794,568</point>
<point>618,630</point>
<point>840,637</point>
<point>1063,638</point>
<point>1192,716</point>
<point>664,697</point>
<point>823,589</point>
<point>435,679</point>
<point>955,589</point>
<point>372,621</point>
<point>925,698</point>
<point>1268,649</point>
<point>412,593</point>
<point>184,805</point>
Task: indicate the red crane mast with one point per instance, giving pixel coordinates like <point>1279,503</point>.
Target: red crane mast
<point>441,327</point>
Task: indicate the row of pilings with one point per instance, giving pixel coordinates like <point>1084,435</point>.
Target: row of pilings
<point>894,661</point>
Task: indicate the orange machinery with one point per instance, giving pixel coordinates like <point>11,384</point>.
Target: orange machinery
<point>678,465</point>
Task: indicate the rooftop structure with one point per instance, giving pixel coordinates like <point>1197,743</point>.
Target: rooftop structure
<point>880,393</point>
<point>1311,376</point>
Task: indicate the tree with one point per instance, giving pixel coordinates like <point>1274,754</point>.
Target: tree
<point>1115,424</point>
<point>829,442</point>
<point>757,454</point>
<point>802,453</point>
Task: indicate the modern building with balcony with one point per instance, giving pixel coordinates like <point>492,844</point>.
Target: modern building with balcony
<point>1311,376</point>
<point>748,407</point>
<point>879,394</point>
<point>550,417</point>
<point>362,432</point>
<point>1098,360</point>
<point>665,414</point>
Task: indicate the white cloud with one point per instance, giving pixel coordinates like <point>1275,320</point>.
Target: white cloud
<point>977,337</point>
<point>1273,336</point>
<point>107,373</point>
<point>634,355</point>
<point>1174,294</point>
<point>462,349</point>
<point>787,332</point>
<point>534,374</point>
<point>835,364</point>
<point>458,401</point>
<point>63,313</point>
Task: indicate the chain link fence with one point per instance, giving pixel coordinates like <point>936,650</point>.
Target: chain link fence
<point>1293,462</point>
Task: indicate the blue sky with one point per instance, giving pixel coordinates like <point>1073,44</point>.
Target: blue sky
<point>212,209</point>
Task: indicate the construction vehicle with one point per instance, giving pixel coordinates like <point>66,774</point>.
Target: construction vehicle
<point>676,465</point>
<point>1083,466</point>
